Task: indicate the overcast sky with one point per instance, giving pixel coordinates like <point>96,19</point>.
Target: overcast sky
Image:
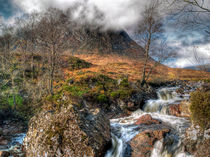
<point>118,14</point>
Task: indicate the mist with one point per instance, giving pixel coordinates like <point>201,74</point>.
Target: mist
<point>109,14</point>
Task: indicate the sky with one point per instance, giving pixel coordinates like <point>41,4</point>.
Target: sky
<point>118,15</point>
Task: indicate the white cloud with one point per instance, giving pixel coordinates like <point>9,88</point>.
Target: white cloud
<point>118,14</point>
<point>186,56</point>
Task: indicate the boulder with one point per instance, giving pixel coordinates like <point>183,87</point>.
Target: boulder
<point>179,110</point>
<point>143,143</point>
<point>175,110</point>
<point>68,132</point>
<point>147,120</point>
<point>12,127</point>
<point>196,142</point>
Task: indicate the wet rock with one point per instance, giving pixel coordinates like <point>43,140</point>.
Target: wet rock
<point>10,128</point>
<point>130,104</point>
<point>8,131</point>
<point>68,132</point>
<point>179,109</point>
<point>143,143</point>
<point>4,154</point>
<point>147,120</point>
<point>3,141</point>
<point>175,110</point>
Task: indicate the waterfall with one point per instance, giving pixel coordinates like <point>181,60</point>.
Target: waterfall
<point>166,96</point>
<point>122,134</point>
<point>158,148</point>
<point>123,129</point>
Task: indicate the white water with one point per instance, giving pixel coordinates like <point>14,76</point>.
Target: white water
<point>15,143</point>
<point>123,129</point>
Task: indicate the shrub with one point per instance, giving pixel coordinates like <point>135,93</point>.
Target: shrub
<point>200,108</point>
<point>102,98</point>
<point>76,63</point>
<point>124,83</point>
<point>18,100</point>
<point>75,90</point>
<point>121,93</point>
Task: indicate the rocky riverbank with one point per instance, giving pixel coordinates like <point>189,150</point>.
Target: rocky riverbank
<point>162,128</point>
<point>75,122</point>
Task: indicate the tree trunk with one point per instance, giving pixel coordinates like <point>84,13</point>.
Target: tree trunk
<point>52,69</point>
<point>32,65</point>
<point>150,71</point>
<point>13,93</point>
<point>143,81</point>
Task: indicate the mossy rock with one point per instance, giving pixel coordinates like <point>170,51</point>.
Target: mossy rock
<point>96,89</point>
<point>102,98</point>
<point>68,132</point>
<point>75,63</point>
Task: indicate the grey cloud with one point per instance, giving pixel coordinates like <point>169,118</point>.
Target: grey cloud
<point>117,14</point>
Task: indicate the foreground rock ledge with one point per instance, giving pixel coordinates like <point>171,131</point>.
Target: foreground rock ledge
<point>143,143</point>
<point>68,132</point>
<point>151,130</point>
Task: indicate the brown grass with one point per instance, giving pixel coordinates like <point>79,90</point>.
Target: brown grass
<point>117,66</point>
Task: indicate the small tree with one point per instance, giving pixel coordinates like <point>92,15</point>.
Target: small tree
<point>11,77</point>
<point>7,41</point>
<point>150,28</point>
<point>27,39</point>
<point>200,109</point>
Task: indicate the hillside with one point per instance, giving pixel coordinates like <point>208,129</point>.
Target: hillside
<point>116,54</point>
<point>117,66</point>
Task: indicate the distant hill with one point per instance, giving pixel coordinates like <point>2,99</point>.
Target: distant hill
<point>205,67</point>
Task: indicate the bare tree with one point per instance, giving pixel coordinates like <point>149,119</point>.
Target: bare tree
<point>8,66</point>
<point>149,29</point>
<point>199,61</point>
<point>27,38</point>
<point>161,53</point>
<point>199,5</point>
<point>7,41</point>
<point>190,14</point>
<point>52,33</point>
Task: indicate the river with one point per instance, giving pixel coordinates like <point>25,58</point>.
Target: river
<point>124,129</point>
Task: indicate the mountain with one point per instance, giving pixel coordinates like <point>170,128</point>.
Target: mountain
<point>97,42</point>
<point>116,54</point>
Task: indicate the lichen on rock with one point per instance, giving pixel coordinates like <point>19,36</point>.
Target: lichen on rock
<point>68,132</point>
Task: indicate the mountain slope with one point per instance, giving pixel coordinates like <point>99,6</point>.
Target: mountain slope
<point>116,54</point>
<point>96,42</point>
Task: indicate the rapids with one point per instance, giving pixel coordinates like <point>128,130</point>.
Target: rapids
<point>14,146</point>
<point>124,129</point>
